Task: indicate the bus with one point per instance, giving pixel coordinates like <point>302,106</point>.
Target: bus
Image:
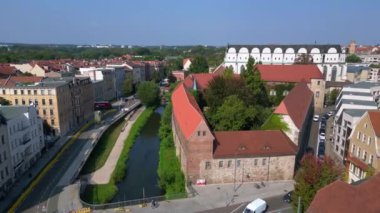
<point>102,105</point>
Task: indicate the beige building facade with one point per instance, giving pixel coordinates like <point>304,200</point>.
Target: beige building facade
<point>364,147</point>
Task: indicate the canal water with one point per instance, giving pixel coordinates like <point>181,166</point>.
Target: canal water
<point>141,176</point>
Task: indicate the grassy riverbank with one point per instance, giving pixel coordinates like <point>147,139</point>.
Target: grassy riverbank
<point>103,148</point>
<point>104,193</point>
<point>172,180</point>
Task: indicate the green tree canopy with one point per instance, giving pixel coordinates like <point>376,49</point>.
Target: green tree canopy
<point>353,59</point>
<point>4,101</point>
<point>128,85</point>
<point>149,93</point>
<point>233,115</point>
<point>252,78</point>
<point>313,175</point>
<point>199,65</point>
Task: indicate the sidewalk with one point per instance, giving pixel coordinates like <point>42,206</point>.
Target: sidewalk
<point>103,175</point>
<point>215,196</point>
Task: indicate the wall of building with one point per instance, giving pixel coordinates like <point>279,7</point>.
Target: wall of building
<point>6,167</point>
<point>251,169</point>
<point>363,146</point>
<point>317,86</point>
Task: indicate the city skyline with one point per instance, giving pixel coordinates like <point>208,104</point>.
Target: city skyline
<point>195,23</point>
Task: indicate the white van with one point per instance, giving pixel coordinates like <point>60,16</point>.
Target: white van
<point>256,206</point>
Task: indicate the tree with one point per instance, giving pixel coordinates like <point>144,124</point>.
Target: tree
<point>252,78</point>
<point>369,172</point>
<point>304,58</point>
<point>149,93</point>
<point>233,115</point>
<point>199,65</point>
<point>156,76</point>
<point>128,85</point>
<point>4,102</point>
<point>228,73</point>
<point>353,59</point>
<point>313,175</point>
<point>331,97</point>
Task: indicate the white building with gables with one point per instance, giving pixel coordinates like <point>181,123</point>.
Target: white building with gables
<point>330,59</point>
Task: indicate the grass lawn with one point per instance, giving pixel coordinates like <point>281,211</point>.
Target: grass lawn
<point>101,193</point>
<point>275,122</point>
<point>103,148</point>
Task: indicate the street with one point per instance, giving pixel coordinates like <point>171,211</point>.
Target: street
<point>44,197</point>
<point>275,204</point>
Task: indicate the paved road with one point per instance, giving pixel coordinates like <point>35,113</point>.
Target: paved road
<point>275,204</point>
<point>44,197</point>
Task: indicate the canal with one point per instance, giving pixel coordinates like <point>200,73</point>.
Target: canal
<point>141,176</point>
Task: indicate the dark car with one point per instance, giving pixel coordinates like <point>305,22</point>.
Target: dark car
<point>321,149</point>
<point>287,197</point>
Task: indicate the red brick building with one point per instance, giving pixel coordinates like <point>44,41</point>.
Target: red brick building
<point>226,156</point>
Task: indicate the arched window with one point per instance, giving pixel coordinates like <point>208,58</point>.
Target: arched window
<point>333,73</point>
<point>324,72</point>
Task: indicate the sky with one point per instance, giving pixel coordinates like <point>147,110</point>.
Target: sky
<point>195,22</point>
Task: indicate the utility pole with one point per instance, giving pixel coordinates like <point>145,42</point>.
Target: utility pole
<point>299,205</point>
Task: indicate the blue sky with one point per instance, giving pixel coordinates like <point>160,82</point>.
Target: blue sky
<point>178,22</point>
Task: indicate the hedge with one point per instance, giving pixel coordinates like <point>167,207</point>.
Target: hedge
<point>171,178</point>
<point>100,193</point>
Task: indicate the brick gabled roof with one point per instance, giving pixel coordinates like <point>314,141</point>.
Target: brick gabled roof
<point>289,73</point>
<point>231,144</point>
<point>342,197</point>
<point>374,116</point>
<point>6,69</point>
<point>202,80</point>
<point>186,111</point>
<point>296,104</point>
<point>11,81</point>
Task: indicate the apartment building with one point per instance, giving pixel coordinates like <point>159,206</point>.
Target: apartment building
<point>364,146</point>
<point>6,168</point>
<point>352,100</point>
<point>62,103</point>
<point>104,80</point>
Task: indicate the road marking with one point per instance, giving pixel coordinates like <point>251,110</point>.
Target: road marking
<point>238,207</point>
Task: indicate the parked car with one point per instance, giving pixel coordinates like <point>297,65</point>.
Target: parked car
<point>321,149</point>
<point>316,118</point>
<point>287,197</point>
<point>323,125</point>
<point>256,206</point>
<point>322,134</point>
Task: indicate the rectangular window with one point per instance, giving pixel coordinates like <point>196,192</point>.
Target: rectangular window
<point>318,83</point>
<point>29,92</point>
<point>264,161</point>
<point>199,133</point>
<point>6,171</point>
<point>15,92</point>
<point>359,135</point>
<point>52,121</point>
<point>35,92</point>
<point>4,92</point>
<point>353,149</point>
<point>42,92</point>
<point>370,160</point>
<point>358,153</point>
<point>255,162</point>
<point>49,91</point>
<point>44,111</point>
<point>50,101</point>
<point>43,101</point>
<point>208,165</point>
<point>317,94</point>
<point>22,92</point>
<point>369,140</point>
<point>364,138</point>
<point>2,139</point>
<point>220,164</point>
<point>229,163</point>
<point>51,112</point>
<point>364,156</point>
<point>238,163</point>
<point>16,101</point>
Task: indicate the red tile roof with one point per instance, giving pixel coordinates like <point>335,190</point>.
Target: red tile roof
<point>219,69</point>
<point>374,116</point>
<point>6,69</point>
<point>11,81</point>
<point>202,80</point>
<point>186,111</point>
<point>296,104</point>
<point>342,197</point>
<point>289,73</point>
<point>252,143</point>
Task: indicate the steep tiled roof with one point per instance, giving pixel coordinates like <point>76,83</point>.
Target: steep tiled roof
<point>252,143</point>
<point>342,197</point>
<point>186,111</point>
<point>289,73</point>
<point>296,104</point>
<point>374,116</point>
<point>219,69</point>
<point>5,69</point>
<point>202,80</point>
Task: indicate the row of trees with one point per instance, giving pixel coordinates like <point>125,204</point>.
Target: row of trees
<point>235,103</point>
